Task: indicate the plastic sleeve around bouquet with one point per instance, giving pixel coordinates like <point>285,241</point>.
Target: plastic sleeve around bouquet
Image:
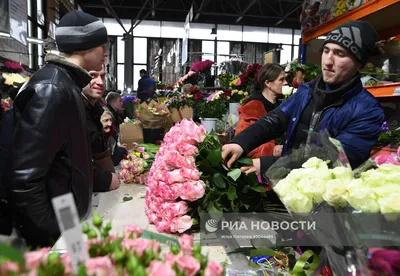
<point>302,178</point>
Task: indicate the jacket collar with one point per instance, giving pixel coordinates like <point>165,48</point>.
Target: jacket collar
<point>94,109</point>
<point>80,75</point>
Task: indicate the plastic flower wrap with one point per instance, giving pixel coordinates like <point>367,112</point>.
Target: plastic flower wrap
<point>133,252</point>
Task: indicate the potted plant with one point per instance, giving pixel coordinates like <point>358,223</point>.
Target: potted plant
<point>180,106</point>
<point>212,110</point>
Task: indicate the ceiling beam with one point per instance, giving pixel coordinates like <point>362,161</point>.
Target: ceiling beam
<point>202,6</point>
<point>108,6</point>
<point>138,15</point>
<point>245,10</point>
<point>97,6</point>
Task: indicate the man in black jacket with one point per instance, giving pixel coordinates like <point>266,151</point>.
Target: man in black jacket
<point>51,150</point>
<point>104,176</point>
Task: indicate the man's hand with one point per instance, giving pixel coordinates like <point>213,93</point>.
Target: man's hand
<point>125,146</point>
<point>115,182</point>
<point>277,150</point>
<point>231,151</point>
<point>255,168</point>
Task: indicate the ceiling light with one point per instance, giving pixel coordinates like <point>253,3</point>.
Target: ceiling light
<point>214,31</point>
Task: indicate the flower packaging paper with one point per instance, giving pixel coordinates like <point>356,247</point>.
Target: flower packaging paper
<point>154,115</point>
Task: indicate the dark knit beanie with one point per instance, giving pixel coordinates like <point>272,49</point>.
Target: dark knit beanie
<point>79,31</point>
<point>357,37</point>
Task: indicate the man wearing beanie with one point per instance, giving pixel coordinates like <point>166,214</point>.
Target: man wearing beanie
<point>51,151</point>
<point>335,101</point>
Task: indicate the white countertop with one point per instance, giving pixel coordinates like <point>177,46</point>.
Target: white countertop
<point>111,207</point>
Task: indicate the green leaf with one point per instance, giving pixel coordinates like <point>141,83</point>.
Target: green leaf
<point>11,254</point>
<point>225,167</point>
<point>258,189</point>
<point>214,157</point>
<point>235,174</point>
<point>214,212</point>
<point>218,180</point>
<point>245,161</point>
<point>127,198</point>
<point>160,238</point>
<point>232,193</point>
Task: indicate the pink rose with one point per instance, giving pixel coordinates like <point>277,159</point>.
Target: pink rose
<point>192,190</point>
<point>186,243</point>
<point>140,149</point>
<point>175,176</point>
<point>99,266</point>
<point>181,224</point>
<point>126,176</point>
<point>158,268</point>
<point>213,269</point>
<point>35,258</point>
<point>188,264</point>
<point>173,158</point>
<point>186,149</point>
<point>170,258</point>
<point>133,230</point>
<point>7,267</point>
<point>126,164</point>
<point>190,174</point>
<point>176,208</point>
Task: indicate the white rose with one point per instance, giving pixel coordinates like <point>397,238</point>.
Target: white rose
<point>390,206</point>
<point>294,90</point>
<point>298,174</point>
<point>388,168</point>
<point>343,173</point>
<point>246,93</point>
<point>393,178</point>
<point>297,202</point>
<point>234,91</point>
<point>355,183</point>
<point>283,187</point>
<point>323,173</point>
<point>387,190</point>
<point>287,90</point>
<point>315,162</point>
<point>334,192</point>
<point>313,188</point>
<point>375,179</point>
<point>363,199</point>
<point>240,92</point>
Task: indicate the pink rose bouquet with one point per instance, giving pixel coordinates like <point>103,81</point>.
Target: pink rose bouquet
<point>188,175</point>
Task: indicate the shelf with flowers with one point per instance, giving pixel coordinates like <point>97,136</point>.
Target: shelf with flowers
<point>212,109</point>
<point>134,252</point>
<point>180,106</point>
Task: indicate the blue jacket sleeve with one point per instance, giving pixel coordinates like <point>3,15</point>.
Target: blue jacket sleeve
<point>361,135</point>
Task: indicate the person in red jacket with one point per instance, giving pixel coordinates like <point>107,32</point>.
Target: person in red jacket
<point>271,78</point>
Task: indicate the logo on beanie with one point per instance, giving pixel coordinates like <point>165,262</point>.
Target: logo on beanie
<point>351,40</point>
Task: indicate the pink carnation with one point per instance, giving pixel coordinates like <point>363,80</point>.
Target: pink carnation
<point>186,243</point>
<point>99,266</point>
<point>158,268</point>
<point>35,258</point>
<point>188,264</point>
<point>213,269</point>
<point>133,230</point>
<point>7,267</point>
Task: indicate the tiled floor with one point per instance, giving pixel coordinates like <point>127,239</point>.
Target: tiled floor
<point>111,207</point>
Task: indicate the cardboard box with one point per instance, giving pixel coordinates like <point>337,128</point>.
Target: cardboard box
<point>131,133</point>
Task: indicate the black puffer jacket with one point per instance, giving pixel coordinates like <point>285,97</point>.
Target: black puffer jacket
<point>50,151</point>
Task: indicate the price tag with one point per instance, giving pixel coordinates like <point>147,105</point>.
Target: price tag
<point>70,227</point>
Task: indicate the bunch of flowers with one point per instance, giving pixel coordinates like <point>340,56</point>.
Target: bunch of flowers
<point>174,179</point>
<point>190,77</point>
<point>250,76</point>
<point>180,100</point>
<point>392,158</point>
<point>202,66</point>
<point>130,98</point>
<point>13,67</point>
<point>12,78</point>
<point>130,103</point>
<point>131,253</point>
<point>226,79</point>
<point>235,96</point>
<point>137,163</point>
<point>377,190</point>
<point>214,106</point>
<point>390,135</point>
<point>5,104</point>
<point>188,176</point>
